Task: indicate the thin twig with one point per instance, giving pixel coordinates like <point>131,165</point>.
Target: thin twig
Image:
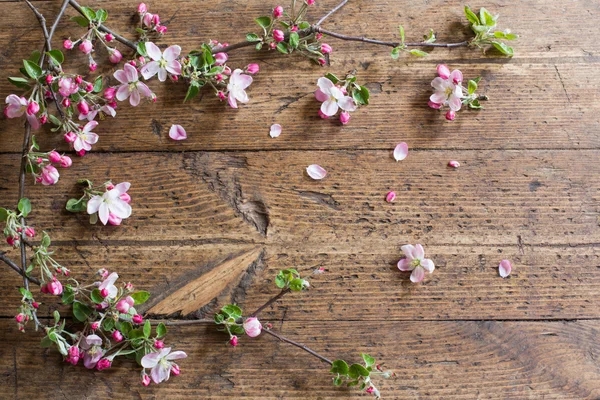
<point>331,12</point>
<point>300,346</point>
<point>178,322</point>
<point>58,17</point>
<point>14,266</point>
<point>268,303</point>
<point>105,29</point>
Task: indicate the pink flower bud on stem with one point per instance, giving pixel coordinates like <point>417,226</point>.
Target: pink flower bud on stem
<point>278,35</point>
<point>277,12</point>
<point>390,197</point>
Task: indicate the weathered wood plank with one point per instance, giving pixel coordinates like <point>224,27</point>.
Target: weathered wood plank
<point>450,360</point>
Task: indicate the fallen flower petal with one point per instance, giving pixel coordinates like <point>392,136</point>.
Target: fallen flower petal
<point>453,164</point>
<point>177,132</point>
<point>391,196</point>
<point>504,268</point>
<point>275,130</point>
<point>316,171</point>
<point>401,151</point>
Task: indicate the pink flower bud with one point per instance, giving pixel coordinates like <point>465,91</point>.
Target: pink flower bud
<point>227,70</point>
<point>89,87</point>
<point>175,78</point>
<point>95,325</point>
<point>20,318</point>
<point>450,115</point>
<point>272,45</point>
<point>278,35</point>
<point>73,356</point>
<point>103,364</point>
<point>221,95</point>
<point>83,107</point>
<point>453,164</point>
<point>78,79</point>
<point>370,389</point>
<point>30,232</point>
<point>233,341</point>
<point>93,66</point>
<point>104,292</point>
<point>323,115</point>
<point>129,286</point>
<point>252,68</point>
<point>310,2</point>
<point>33,108</point>
<point>221,58</point>
<point>35,305</point>
<point>344,117</point>
<point>147,20</point>
<point>44,119</point>
<point>80,153</point>
<point>325,48</point>
<point>67,44</point>
<point>70,137</point>
<point>277,12</point>
<point>54,157</point>
<point>132,63</point>
<point>44,289</point>
<point>66,102</point>
<point>443,71</point>
<point>156,19</point>
<point>109,93</point>
<point>322,61</point>
<point>115,56</point>
<point>294,28</point>
<point>318,36</point>
<point>125,197</point>
<point>55,287</point>
<point>252,326</point>
<point>436,106</point>
<point>159,344</point>
<point>39,161</point>
<point>161,29</point>
<point>109,37</point>
<point>110,186</point>
<point>114,220</point>
<point>175,369</point>
<point>117,336</point>
<point>49,79</point>
<point>123,306</point>
<point>49,175</point>
<point>142,60</point>
<point>219,77</point>
<point>391,196</point>
<point>86,47</point>
<point>142,8</point>
<point>137,319</point>
<point>145,380</point>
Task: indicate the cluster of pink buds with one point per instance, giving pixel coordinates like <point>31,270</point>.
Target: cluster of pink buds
<point>150,22</point>
<point>86,46</point>
<point>41,165</point>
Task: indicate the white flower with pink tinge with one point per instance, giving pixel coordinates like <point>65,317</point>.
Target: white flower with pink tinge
<point>85,137</point>
<point>92,344</point>
<point>109,284</point>
<point>161,62</point>
<point>161,364</point>
<point>106,110</point>
<point>16,106</point>
<point>333,98</point>
<point>448,89</point>
<point>416,262</point>
<point>236,87</point>
<point>131,86</point>
<point>110,202</point>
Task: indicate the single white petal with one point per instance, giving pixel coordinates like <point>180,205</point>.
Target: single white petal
<point>320,96</point>
<point>428,265</point>
<point>121,76</point>
<point>417,275</point>
<point>162,74</point>
<point>93,204</point>
<point>243,81</point>
<point>347,104</point>
<point>325,85</point>
<point>134,99</point>
<point>122,92</point>
<point>329,108</point>
<point>419,252</point>
<point>150,69</point>
<point>401,151</point>
<point>176,355</point>
<point>455,103</point>
<point>241,95</point>
<point>153,51</point>
<point>439,84</point>
<point>150,360</point>
<point>91,138</point>
<point>439,97</point>
<point>103,213</point>
<point>405,265</point>
<point>505,268</point>
<point>171,53</point>
<point>409,251</point>
<point>174,67</point>
<point>120,208</point>
<point>89,126</point>
<point>316,171</point>
<point>275,130</point>
<point>231,99</point>
<point>177,132</point>
<point>132,73</point>
<point>144,89</point>
<point>122,187</point>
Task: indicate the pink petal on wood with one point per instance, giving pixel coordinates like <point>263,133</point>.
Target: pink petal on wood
<point>275,130</point>
<point>401,151</point>
<point>177,132</point>
<point>504,268</point>
<point>316,171</point>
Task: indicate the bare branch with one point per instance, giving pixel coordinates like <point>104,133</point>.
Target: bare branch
<point>331,12</point>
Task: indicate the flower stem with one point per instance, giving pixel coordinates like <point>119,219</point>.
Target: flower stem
<point>271,301</point>
<point>170,322</point>
<point>300,346</point>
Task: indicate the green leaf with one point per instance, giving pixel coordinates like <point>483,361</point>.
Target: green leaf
<point>280,280</point>
<point>3,214</point>
<point>303,25</point>
<point>361,95</point>
<point>124,327</point>
<point>135,333</point>
<point>81,311</point>
<point>147,329</point>
<point>140,297</point>
<point>430,37</point>
<point>332,77</point>
<point>34,143</point>
<point>401,34</point>
<point>357,370</point>
<point>19,82</point>
<point>81,21</point>
<point>511,36</point>
<point>98,84</point>
<point>297,284</point>
<point>294,40</point>
<point>76,205</point>
<point>337,381</point>
<point>161,330</point>
<point>108,324</point>
<point>486,18</point>
<point>339,367</point>
<point>54,120</point>
<point>192,91</point>
<point>418,53</point>
<point>258,46</point>
<point>472,86</point>
<point>252,37</point>
<point>141,49</point>
<point>24,206</point>
<point>89,13</point>
<point>46,342</point>
<point>35,56</point>
<point>369,361</point>
<point>263,22</point>
<point>499,35</point>
<point>503,48</point>
<point>56,56</point>
<point>56,315</point>
<point>395,53</point>
<point>473,19</point>
<point>232,310</point>
<point>101,15</point>
<point>26,293</point>
<point>46,240</point>
<point>281,46</point>
<point>68,295</point>
<point>32,69</point>
<point>219,318</point>
<point>475,104</point>
<point>236,329</point>
<point>96,296</point>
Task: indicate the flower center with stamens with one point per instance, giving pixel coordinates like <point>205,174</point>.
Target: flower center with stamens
<point>415,263</point>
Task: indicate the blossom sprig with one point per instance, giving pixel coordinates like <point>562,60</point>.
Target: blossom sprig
<point>41,164</point>
<point>14,230</point>
<point>359,375</point>
<point>108,203</point>
<point>27,309</point>
<point>450,92</point>
<point>288,32</point>
<point>340,94</point>
<point>290,279</point>
<point>149,23</point>
<point>404,47</point>
<point>484,27</point>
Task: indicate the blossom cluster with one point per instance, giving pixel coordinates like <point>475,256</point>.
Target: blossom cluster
<point>109,203</point>
<point>337,94</point>
<point>449,92</point>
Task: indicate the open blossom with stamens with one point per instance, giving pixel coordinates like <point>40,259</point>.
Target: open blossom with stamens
<point>17,106</point>
<point>333,98</point>
<point>238,82</point>
<point>448,89</point>
<point>130,85</point>
<point>105,109</point>
<point>161,62</point>
<point>161,363</point>
<point>416,262</point>
<point>111,202</point>
<point>85,137</point>
<point>92,345</point>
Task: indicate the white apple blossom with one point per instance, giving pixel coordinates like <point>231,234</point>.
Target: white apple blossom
<point>130,85</point>
<point>161,364</point>
<point>415,262</point>
<point>110,202</point>
<point>161,62</point>
<point>236,87</point>
<point>333,98</point>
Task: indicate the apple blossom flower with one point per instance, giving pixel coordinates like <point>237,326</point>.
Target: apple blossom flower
<point>161,29</point>
<point>400,151</point>
<point>125,304</point>
<point>67,44</point>
<point>162,62</point>
<point>67,86</point>
<point>73,356</point>
<point>177,132</point>
<point>278,35</point>
<point>86,47</point>
<point>85,137</point>
<point>333,98</point>
<point>83,107</point>
<point>275,130</point>
<point>54,157</point>
<point>92,344</point>
<point>316,171</point>
<point>448,91</point>
<point>147,19</point>
<point>415,262</point>
<point>70,137</point>
<point>103,364</point>
<point>33,108</point>
<point>118,336</point>
<point>142,8</point>
<point>49,175</point>
<point>252,326</point>
<point>109,93</point>
<point>505,268</point>
<point>221,58</point>
<point>161,363</point>
<point>114,56</point>
<point>130,85</point>
<point>17,106</point>
<point>325,48</point>
<point>238,82</point>
<point>277,12</point>
<point>110,203</point>
<point>109,284</point>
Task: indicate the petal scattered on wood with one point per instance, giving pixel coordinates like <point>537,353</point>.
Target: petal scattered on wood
<point>401,151</point>
<point>275,130</point>
<point>316,171</point>
<point>504,268</point>
<point>177,132</point>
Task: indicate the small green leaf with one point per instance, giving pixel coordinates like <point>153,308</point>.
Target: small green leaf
<point>430,37</point>
<point>475,104</point>
<point>101,15</point>
<point>68,295</point>
<point>219,318</point>
<point>141,49</point>
<point>473,19</point>
<point>252,37</point>
<point>236,329</point>
<point>26,293</point>
<point>46,240</point>
<point>503,48</point>
<point>401,34</point>
<point>34,143</point>
<point>258,46</point>
<point>472,86</point>
<point>76,205</point>
<point>24,206</point>
<point>297,284</point>
<point>282,47</point>
<point>499,35</point>
<point>96,296</point>
<point>89,13</point>
<point>19,82</point>
<point>232,310</point>
<point>280,280</point>
<point>81,311</point>
<point>361,95</point>
<point>135,333</point>
<point>56,315</point>
<point>418,53</point>
<point>81,21</point>
<point>161,330</point>
<point>369,361</point>
<point>263,22</point>
<point>147,329</point>
<point>124,327</point>
<point>54,120</point>
<point>98,84</point>
<point>337,381</point>
<point>395,53</point>
<point>339,367</point>
<point>56,56</point>
<point>108,324</point>
<point>35,56</point>
<point>332,77</point>
<point>511,36</point>
<point>357,370</point>
<point>294,40</point>
<point>192,91</point>
<point>3,214</point>
<point>140,297</point>
<point>303,25</point>
<point>32,69</point>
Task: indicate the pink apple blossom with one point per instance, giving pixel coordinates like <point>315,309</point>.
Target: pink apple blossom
<point>252,326</point>
<point>443,71</point>
<point>316,171</point>
<point>447,91</point>
<point>401,151</point>
<point>221,58</point>
<point>161,62</point>
<point>145,380</point>
<point>92,344</point>
<point>110,203</point>
<point>33,108</point>
<point>73,356</point>
<point>109,37</point>
<point>67,44</point>
<point>161,363</point>
<point>325,48</point>
<point>333,98</point>
<point>67,86</point>
<point>142,8</point>
<point>17,106</point>
<point>130,85</point>
<point>70,137</point>
<point>86,47</point>
<point>85,137</point>
<point>278,35</point>
<point>115,56</point>
<point>238,82</point>
<point>415,262</point>
<point>147,19</point>
<point>83,107</point>
<point>505,268</point>
<point>277,12</point>
<point>161,29</point>
<point>103,364</point>
<point>109,93</point>
<point>177,132</point>
<point>49,175</point>
<point>29,232</point>
<point>109,284</point>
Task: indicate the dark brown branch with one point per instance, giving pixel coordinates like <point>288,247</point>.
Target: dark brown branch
<point>22,173</point>
<point>179,322</point>
<point>268,303</point>
<point>331,12</point>
<point>105,29</point>
<point>58,18</point>
<point>14,266</point>
<point>300,346</point>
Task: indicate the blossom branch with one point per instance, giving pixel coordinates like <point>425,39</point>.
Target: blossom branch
<point>299,345</point>
<point>271,301</point>
<point>14,266</point>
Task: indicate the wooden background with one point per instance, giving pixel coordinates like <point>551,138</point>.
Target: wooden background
<point>231,206</point>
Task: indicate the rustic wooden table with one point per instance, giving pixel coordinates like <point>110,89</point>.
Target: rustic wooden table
<point>229,207</point>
